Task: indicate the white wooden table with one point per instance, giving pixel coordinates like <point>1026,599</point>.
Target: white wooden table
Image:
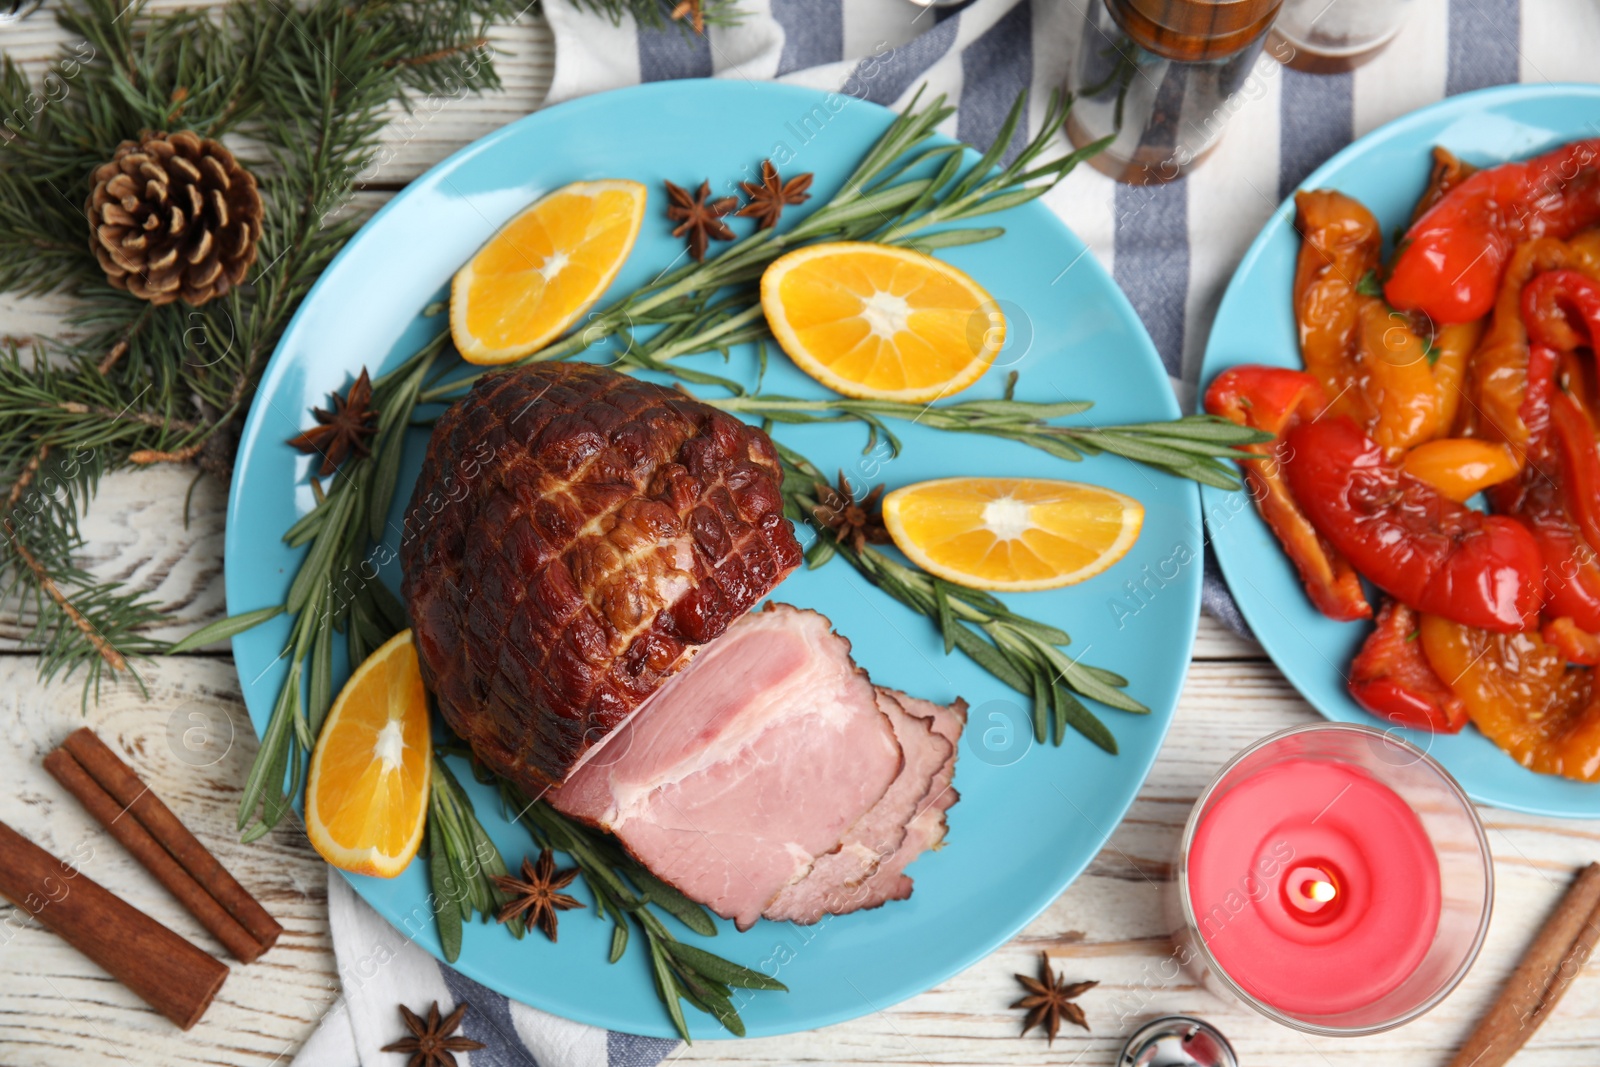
<point>56,1008</point>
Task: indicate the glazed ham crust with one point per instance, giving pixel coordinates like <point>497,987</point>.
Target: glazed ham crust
<point>574,535</point>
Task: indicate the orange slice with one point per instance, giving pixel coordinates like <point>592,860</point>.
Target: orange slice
<point>367,797</point>
<point>544,269</point>
<point>881,323</point>
<point>1012,534</point>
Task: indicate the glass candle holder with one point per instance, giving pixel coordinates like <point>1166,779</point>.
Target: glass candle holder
<point>1334,878</point>
<point>1161,78</point>
<point>1330,36</point>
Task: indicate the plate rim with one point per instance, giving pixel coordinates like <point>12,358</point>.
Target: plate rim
<point>1213,363</point>
<point>1187,500</point>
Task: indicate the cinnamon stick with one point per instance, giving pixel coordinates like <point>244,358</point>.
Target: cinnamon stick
<point>1554,959</point>
<point>132,835</point>
<point>129,790</point>
<point>167,972</point>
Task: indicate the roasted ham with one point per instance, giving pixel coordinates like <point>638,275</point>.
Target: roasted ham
<point>769,778</point>
<point>574,535</point>
<point>581,555</point>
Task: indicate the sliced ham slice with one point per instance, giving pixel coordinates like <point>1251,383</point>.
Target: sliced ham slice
<point>748,765</point>
<point>842,881</point>
<point>927,827</point>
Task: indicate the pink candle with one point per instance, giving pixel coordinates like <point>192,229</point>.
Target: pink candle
<point>1314,886</point>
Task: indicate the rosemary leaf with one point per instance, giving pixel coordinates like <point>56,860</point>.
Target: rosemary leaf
<point>619,940</point>
<point>946,617</point>
<point>674,903</point>
<point>952,238</point>
<point>1041,709</point>
<point>224,629</point>
<point>1070,711</point>
<point>669,991</point>
<point>724,971</point>
<point>446,911</point>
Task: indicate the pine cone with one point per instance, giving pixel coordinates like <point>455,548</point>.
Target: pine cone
<point>174,217</point>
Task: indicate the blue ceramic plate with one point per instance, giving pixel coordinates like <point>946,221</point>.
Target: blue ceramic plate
<point>1386,170</point>
<point>1030,817</point>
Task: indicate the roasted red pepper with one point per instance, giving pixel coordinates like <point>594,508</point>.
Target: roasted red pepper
<point>1550,302</point>
<point>1498,382</point>
<point>1561,435</point>
<point>1571,568</point>
<point>1371,364</point>
<point>1450,262</point>
<point>1580,646</point>
<point>1273,399</point>
<point>1580,465</point>
<point>1416,544</point>
<point>1391,677</point>
<point>1521,693</point>
<point>1549,495</point>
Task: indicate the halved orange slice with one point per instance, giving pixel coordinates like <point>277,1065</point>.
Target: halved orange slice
<point>1012,534</point>
<point>543,269</point>
<point>367,796</point>
<point>881,323</point>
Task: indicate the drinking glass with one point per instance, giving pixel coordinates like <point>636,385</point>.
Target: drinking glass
<point>1329,36</point>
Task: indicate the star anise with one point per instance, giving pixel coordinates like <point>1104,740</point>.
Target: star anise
<point>1049,1000</point>
<point>771,193</point>
<point>343,430</point>
<point>536,892</point>
<point>694,11</point>
<point>699,219</point>
<point>431,1044</point>
<point>852,522</point>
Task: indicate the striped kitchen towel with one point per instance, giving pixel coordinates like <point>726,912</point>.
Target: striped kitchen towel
<point>1171,248</point>
<point>380,967</point>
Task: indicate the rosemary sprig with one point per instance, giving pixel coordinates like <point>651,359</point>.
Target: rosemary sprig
<point>1024,653</point>
<point>331,593</point>
<point>624,892</point>
<point>1198,447</point>
<point>462,863</point>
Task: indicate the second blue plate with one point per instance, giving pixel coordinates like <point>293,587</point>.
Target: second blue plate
<point>1386,170</point>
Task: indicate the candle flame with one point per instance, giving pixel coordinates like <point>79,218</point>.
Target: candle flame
<point>1321,891</point>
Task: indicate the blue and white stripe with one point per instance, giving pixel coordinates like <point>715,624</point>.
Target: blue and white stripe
<point>1171,248</point>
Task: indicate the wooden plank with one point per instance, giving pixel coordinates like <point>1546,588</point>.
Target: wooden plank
<point>1106,927</point>
<point>1215,641</point>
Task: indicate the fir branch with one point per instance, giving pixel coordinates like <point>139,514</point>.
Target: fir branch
<point>659,14</point>
<point>70,618</point>
<point>303,89</point>
<point>114,659</point>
